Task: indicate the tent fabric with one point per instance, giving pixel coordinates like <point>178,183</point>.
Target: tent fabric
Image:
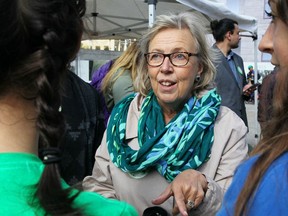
<point>124,19</point>
<point>216,10</point>
<point>129,19</point>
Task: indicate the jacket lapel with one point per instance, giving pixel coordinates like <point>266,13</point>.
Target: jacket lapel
<point>239,71</point>
<point>229,70</point>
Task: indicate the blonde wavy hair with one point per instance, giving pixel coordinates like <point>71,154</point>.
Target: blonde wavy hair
<point>128,60</point>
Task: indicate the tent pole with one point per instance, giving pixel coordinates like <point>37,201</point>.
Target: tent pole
<point>152,9</point>
<point>94,15</point>
<point>257,134</point>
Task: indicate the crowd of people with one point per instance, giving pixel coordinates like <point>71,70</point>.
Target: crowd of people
<point>174,134</point>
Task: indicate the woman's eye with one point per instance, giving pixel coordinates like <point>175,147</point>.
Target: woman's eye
<point>154,56</point>
<point>270,15</point>
<point>179,56</point>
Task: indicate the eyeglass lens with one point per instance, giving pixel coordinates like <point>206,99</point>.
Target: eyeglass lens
<point>177,59</point>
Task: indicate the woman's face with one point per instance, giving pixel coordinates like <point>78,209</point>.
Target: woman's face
<point>172,85</point>
<point>275,39</point>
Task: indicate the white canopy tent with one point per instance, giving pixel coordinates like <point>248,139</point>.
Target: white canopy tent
<point>124,19</point>
<point>217,10</point>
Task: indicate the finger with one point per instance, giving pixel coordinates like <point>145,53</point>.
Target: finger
<point>175,210</point>
<point>181,204</point>
<point>200,196</point>
<point>163,196</point>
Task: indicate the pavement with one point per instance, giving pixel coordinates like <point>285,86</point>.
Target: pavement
<point>254,127</point>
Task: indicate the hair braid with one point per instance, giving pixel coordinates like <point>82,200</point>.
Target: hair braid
<point>37,45</point>
<point>50,122</point>
<point>50,38</point>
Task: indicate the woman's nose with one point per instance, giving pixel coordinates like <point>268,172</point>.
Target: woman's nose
<point>266,43</point>
<point>167,65</point>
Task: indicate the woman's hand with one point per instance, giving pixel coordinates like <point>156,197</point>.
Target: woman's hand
<point>188,187</point>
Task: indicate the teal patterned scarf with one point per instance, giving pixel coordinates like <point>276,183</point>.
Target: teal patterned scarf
<point>184,143</point>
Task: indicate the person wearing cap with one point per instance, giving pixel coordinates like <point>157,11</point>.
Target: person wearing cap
<point>250,74</point>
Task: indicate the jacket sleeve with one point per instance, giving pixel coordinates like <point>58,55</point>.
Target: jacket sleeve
<point>100,181</point>
<point>228,151</point>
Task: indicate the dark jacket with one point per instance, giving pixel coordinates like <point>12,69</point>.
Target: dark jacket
<point>84,129</point>
<point>229,89</point>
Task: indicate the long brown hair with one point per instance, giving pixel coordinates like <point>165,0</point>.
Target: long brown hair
<point>38,41</point>
<point>274,135</point>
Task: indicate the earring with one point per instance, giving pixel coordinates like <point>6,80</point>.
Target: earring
<point>197,78</point>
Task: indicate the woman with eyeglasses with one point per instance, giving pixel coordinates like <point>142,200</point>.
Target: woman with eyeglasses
<point>172,145</point>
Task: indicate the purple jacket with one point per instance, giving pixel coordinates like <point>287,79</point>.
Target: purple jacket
<point>96,81</point>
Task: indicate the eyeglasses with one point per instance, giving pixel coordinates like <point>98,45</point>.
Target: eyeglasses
<point>177,59</point>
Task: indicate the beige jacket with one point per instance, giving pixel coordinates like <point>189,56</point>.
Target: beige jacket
<point>229,149</point>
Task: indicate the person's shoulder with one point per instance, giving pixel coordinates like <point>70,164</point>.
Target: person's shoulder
<point>230,131</point>
<point>95,205</point>
<point>136,103</point>
<point>238,58</point>
<point>247,164</point>
<point>279,165</point>
<point>229,118</point>
<point>226,112</point>
<point>216,52</point>
<point>214,46</point>
<point>76,80</point>
<point>235,54</point>
<point>123,80</point>
<point>127,72</point>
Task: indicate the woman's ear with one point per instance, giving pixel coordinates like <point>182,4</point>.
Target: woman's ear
<point>200,69</point>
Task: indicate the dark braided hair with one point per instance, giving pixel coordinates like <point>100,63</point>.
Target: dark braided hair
<point>38,40</point>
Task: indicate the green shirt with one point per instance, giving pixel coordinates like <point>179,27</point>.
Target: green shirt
<point>19,172</point>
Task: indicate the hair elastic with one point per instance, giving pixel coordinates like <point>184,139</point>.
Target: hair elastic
<point>50,155</point>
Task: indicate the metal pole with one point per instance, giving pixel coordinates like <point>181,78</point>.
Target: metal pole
<point>152,11</point>
<point>257,134</point>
